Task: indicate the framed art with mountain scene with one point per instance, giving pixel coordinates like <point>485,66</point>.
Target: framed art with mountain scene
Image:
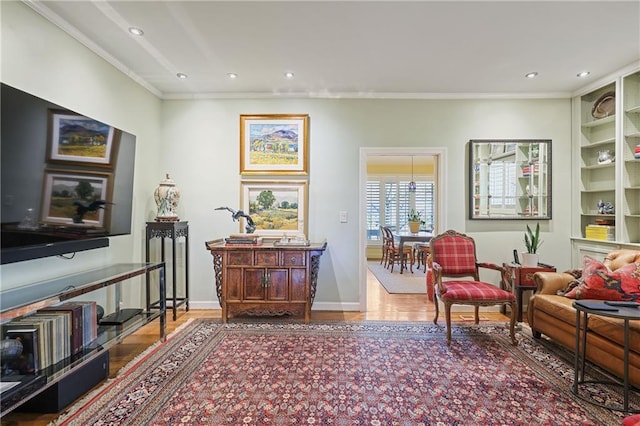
<point>79,140</point>
<point>76,198</point>
<point>274,144</point>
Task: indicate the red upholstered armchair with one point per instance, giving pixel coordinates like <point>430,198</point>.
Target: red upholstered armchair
<point>453,255</point>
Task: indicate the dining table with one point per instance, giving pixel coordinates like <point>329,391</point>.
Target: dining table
<point>410,237</point>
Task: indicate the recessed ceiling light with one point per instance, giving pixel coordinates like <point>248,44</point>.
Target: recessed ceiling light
<point>583,74</point>
<point>531,74</point>
<point>136,31</point>
<point>181,75</point>
<point>232,75</point>
<point>288,75</point>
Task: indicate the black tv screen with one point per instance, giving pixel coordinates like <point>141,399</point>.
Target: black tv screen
<point>66,179</point>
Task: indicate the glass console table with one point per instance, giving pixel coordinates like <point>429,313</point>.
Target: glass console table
<point>24,300</point>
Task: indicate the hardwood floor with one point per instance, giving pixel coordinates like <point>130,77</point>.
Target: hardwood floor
<point>380,306</point>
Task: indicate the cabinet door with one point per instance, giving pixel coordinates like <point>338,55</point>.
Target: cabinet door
<point>299,285</point>
<point>233,284</point>
<point>278,287</point>
<point>253,284</point>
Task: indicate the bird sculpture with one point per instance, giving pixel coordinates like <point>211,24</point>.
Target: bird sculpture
<point>250,227</point>
<point>82,209</point>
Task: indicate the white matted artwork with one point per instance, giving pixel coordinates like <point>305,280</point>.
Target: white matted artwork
<point>278,208</point>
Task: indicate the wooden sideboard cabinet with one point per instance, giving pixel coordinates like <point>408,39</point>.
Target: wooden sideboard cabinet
<point>267,279</point>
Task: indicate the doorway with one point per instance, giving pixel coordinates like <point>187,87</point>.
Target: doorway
<point>368,155</point>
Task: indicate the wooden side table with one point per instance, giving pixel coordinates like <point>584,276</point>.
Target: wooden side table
<point>519,278</point>
<point>173,230</point>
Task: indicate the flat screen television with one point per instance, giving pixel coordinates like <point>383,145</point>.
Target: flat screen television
<point>66,180</point>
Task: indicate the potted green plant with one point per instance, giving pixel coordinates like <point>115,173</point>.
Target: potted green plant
<point>532,242</point>
<point>414,219</point>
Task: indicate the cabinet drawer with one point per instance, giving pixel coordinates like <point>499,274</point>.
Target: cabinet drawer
<point>293,258</point>
<point>240,258</point>
<point>266,258</point>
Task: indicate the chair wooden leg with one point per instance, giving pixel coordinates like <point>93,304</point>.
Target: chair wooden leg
<point>447,317</point>
<point>435,301</point>
<point>412,259</point>
<point>477,313</point>
<point>512,323</point>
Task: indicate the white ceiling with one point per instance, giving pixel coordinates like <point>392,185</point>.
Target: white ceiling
<point>357,49</point>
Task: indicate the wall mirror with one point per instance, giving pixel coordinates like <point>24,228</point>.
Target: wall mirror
<point>510,179</point>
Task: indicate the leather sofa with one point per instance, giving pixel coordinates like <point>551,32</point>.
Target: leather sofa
<point>552,315</point>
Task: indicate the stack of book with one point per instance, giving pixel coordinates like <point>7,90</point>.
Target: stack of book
<point>243,239</point>
<point>53,334</point>
<point>601,232</point>
<point>528,169</point>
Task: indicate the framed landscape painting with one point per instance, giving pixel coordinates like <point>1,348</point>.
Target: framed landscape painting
<point>76,139</point>
<point>278,208</point>
<point>76,198</point>
<point>274,144</point>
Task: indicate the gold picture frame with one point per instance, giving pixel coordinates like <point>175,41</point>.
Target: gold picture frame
<point>278,207</point>
<point>274,144</point>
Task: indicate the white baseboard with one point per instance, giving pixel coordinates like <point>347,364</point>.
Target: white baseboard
<point>342,307</point>
<point>318,306</point>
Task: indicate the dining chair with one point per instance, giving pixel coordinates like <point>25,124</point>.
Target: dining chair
<point>385,246</point>
<point>420,253</point>
<point>395,257</point>
<point>453,255</point>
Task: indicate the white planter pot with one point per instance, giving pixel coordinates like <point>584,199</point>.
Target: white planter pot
<point>530,259</point>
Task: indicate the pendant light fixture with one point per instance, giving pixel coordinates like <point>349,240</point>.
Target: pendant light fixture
<point>412,184</point>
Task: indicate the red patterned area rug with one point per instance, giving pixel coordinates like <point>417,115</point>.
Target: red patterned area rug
<point>344,373</point>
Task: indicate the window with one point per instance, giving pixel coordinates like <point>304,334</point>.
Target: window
<point>388,198</point>
<point>502,187</point>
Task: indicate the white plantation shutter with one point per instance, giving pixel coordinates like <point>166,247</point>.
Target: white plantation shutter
<point>389,201</point>
<point>373,210</point>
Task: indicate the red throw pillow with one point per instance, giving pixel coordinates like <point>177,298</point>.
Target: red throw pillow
<point>598,282</point>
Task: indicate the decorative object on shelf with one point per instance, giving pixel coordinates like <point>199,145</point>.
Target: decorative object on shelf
<point>250,227</point>
<point>10,353</point>
<point>274,143</point>
<point>99,313</point>
<point>636,153</point>
<point>415,220</point>
<point>605,207</point>
<point>606,157</point>
<point>167,196</point>
<point>28,222</point>
<point>532,242</point>
<point>604,106</point>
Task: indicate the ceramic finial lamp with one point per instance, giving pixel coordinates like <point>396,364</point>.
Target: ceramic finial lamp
<point>167,196</point>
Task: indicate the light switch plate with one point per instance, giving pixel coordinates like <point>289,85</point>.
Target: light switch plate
<point>343,217</point>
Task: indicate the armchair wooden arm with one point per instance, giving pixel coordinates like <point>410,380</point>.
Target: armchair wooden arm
<point>488,265</point>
